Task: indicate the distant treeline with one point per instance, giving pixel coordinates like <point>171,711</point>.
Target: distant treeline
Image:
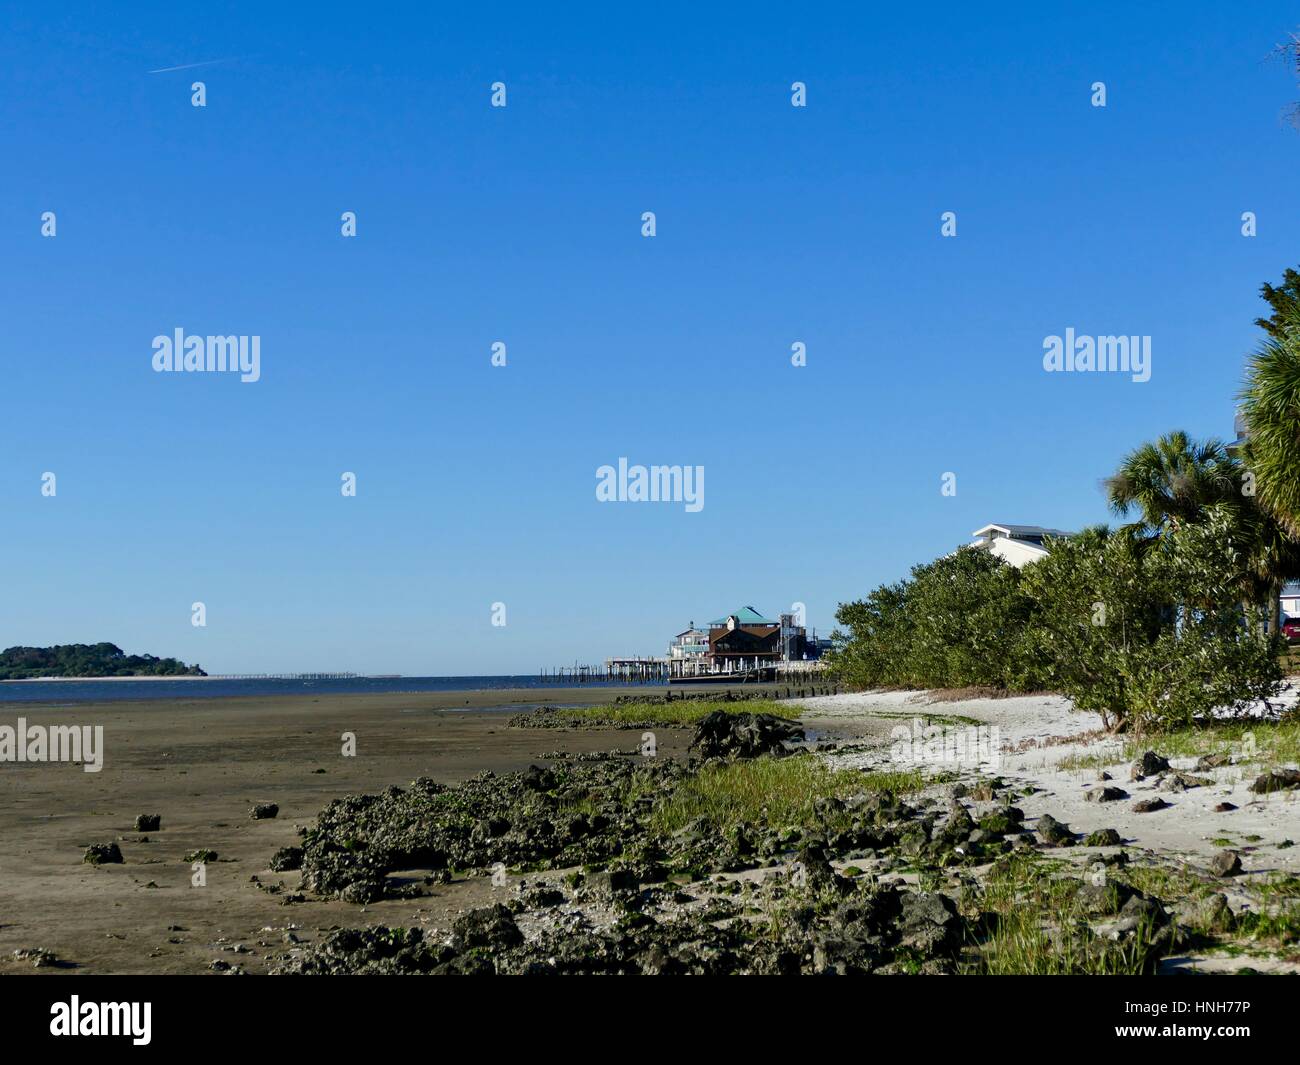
<point>88,660</point>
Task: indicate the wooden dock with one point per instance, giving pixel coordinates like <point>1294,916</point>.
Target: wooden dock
<point>614,671</point>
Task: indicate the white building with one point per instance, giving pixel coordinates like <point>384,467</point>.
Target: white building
<point>1291,600</point>
<point>688,654</point>
<point>1017,544</point>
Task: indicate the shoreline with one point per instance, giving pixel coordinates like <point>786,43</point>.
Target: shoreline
<point>98,680</point>
<point>201,764</point>
<point>446,699</point>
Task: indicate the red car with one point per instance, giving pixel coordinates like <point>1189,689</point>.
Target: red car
<point>1291,630</point>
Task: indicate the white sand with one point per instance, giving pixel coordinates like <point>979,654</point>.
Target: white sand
<point>1034,735</point>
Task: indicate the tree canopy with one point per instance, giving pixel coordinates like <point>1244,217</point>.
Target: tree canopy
<point>87,660</point>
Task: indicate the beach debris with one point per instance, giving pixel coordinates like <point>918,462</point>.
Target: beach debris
<point>103,854</point>
<point>1148,766</point>
<point>723,735</point>
<point>203,854</point>
<point>1224,808</point>
<point>263,810</point>
<point>148,822</point>
<point>1213,761</point>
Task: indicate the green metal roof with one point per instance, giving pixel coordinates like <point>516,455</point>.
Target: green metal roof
<point>746,615</point>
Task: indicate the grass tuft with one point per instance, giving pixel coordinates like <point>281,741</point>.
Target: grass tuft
<point>777,792</point>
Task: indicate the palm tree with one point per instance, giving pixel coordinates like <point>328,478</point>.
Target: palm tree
<point>1175,481</point>
<point>1270,403</point>
<point>1172,481</point>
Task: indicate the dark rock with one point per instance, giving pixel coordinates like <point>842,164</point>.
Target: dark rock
<point>148,822</point>
<point>103,854</point>
<point>613,881</point>
<point>1212,761</point>
<point>1105,794</point>
<point>1224,808</point>
<point>1102,837</point>
<point>1184,781</point>
<point>817,870</point>
<point>1139,909</point>
<point>1276,780</point>
<point>1148,766</point>
<point>286,859</point>
<point>929,923</point>
<point>263,810</point>
<point>493,927</point>
<point>959,825</point>
<point>1147,806</point>
<point>723,735</point>
<point>1210,914</point>
<point>1226,863</point>
<point>1103,897</point>
<point>538,779</point>
<point>1055,833</point>
<point>999,824</point>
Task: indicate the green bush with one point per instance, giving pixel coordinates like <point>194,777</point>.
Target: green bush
<point>958,621</point>
<point>1146,630</point>
<point>1149,631</point>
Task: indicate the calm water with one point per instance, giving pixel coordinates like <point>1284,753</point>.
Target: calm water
<point>95,691</point>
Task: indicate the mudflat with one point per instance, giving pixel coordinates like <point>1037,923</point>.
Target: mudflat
<point>201,764</point>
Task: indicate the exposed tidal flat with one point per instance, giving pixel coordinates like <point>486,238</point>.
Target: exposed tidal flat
<point>485,846</point>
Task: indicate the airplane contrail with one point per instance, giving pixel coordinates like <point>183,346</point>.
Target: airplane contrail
<point>189,66</point>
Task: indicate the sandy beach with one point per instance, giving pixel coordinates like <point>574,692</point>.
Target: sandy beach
<point>202,764</point>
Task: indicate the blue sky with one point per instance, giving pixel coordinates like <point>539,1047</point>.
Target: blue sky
<point>775,224</point>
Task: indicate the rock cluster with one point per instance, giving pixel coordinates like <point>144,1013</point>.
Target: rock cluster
<point>723,735</point>
<point>103,854</point>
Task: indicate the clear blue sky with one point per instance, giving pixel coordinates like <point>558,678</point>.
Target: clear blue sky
<point>775,224</point>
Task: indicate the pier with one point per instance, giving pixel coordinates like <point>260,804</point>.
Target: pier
<point>283,676</point>
<point>640,670</point>
<point>614,671</point>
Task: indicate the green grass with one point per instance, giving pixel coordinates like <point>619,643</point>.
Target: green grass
<point>1273,744</point>
<point>1078,762</point>
<point>678,713</point>
<point>1278,927</point>
<point>777,792</point>
<point>1277,887</point>
<point>1042,931</point>
<point>1166,882</point>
